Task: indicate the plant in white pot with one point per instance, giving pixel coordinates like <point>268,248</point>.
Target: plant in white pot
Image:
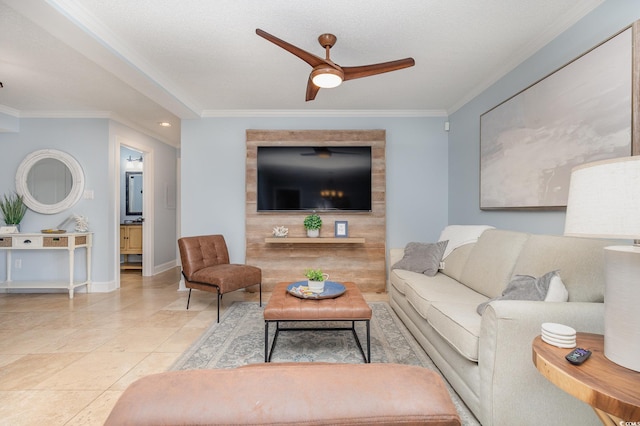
<point>312,224</point>
<point>315,280</point>
<point>13,209</point>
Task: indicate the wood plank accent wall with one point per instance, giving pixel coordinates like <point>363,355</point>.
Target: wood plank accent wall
<point>361,263</point>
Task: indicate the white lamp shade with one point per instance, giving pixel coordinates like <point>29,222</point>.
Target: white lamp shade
<point>604,199</point>
<point>604,202</point>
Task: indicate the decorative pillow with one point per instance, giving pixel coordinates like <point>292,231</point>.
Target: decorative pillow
<point>548,287</point>
<point>423,258</point>
<point>557,291</point>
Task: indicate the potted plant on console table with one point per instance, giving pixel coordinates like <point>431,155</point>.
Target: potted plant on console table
<point>312,224</point>
<point>13,210</point>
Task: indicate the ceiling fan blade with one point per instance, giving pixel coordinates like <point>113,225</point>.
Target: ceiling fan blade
<point>312,90</point>
<point>309,58</point>
<point>351,73</point>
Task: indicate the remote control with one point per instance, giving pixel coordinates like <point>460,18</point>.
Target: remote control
<point>578,356</point>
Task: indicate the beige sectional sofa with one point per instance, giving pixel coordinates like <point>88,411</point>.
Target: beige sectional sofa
<point>487,359</point>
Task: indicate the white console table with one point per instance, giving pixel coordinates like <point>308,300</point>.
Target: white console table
<point>66,241</point>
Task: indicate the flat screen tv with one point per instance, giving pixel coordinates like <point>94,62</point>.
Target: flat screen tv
<point>314,178</point>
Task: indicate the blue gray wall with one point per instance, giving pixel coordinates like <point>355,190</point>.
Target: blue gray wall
<point>213,154</point>
<point>464,136</point>
<point>86,141</point>
<point>91,142</point>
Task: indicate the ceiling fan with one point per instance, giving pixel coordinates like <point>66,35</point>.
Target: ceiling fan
<point>328,74</point>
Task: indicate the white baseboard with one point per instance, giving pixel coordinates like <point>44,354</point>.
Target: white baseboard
<point>42,290</point>
<point>103,287</point>
<point>158,269</point>
<point>181,286</point>
<point>96,287</point>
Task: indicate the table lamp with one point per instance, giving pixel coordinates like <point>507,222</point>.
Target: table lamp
<point>604,202</point>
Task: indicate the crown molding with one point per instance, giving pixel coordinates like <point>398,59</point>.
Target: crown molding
<point>322,113</point>
<point>107,115</point>
<point>64,114</point>
<point>9,111</point>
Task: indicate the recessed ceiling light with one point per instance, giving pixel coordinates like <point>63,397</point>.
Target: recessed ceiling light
<point>164,124</point>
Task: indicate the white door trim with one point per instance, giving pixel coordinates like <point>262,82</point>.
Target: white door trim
<point>148,226</point>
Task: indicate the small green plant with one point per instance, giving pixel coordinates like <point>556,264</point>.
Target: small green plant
<point>314,274</point>
<point>13,209</point>
<point>312,221</point>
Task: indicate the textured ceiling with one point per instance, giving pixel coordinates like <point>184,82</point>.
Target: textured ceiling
<point>146,61</point>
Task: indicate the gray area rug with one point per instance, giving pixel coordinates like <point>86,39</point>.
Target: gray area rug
<point>239,340</point>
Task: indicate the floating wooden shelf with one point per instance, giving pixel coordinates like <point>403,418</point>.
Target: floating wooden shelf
<point>308,240</point>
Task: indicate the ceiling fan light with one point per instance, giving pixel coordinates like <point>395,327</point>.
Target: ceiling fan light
<point>326,77</point>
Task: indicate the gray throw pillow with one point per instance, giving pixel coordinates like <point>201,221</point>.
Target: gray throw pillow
<point>423,258</point>
<point>524,287</point>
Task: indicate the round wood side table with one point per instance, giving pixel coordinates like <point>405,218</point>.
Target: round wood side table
<point>610,389</point>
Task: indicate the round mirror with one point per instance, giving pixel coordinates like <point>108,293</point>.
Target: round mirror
<point>50,181</point>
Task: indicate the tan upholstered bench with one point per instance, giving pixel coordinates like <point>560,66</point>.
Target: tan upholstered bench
<point>283,307</point>
<point>289,393</point>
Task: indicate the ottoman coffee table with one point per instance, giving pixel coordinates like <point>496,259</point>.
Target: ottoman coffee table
<point>284,307</point>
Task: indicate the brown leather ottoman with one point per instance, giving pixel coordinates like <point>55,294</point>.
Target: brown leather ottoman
<point>284,307</point>
<point>289,394</point>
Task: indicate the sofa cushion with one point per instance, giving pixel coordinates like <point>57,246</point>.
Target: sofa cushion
<point>459,325</point>
<point>399,278</point>
<point>453,265</point>
<point>490,265</point>
<point>423,258</point>
<point>579,260</point>
<point>422,291</point>
<point>526,287</point>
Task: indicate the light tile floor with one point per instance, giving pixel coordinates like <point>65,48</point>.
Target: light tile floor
<point>66,361</point>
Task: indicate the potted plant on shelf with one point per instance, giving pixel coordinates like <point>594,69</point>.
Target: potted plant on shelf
<point>312,224</point>
<point>315,280</point>
<point>13,209</point>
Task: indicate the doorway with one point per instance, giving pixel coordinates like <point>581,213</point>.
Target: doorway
<point>131,210</point>
<point>135,213</point>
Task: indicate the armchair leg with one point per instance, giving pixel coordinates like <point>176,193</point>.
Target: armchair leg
<point>219,297</point>
<point>189,299</point>
<point>260,294</point>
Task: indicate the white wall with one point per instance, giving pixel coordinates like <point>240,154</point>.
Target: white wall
<point>464,137</point>
<point>213,174</point>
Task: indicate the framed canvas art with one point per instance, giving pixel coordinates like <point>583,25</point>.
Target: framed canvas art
<point>578,114</point>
